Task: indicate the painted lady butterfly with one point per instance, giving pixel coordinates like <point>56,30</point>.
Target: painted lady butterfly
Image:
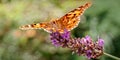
<point>68,21</point>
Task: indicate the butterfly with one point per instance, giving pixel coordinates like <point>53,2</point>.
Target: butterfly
<point>69,21</point>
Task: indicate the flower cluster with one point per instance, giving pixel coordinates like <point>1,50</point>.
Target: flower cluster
<point>60,39</point>
<point>82,46</point>
<point>85,46</point>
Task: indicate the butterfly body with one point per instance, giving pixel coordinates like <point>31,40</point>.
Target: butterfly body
<point>69,21</point>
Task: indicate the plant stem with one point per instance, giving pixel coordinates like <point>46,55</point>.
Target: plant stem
<point>114,57</point>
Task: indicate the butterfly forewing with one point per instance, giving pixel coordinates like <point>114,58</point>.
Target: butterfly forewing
<point>33,26</point>
<point>71,19</point>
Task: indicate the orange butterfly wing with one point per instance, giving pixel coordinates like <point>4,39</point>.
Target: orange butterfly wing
<point>72,19</point>
<point>68,21</point>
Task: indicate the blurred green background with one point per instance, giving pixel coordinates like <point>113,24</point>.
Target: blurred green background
<point>101,19</point>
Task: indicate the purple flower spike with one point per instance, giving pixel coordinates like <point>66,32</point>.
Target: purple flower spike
<point>82,46</point>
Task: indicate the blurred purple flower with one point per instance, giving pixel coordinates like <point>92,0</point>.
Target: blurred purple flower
<point>100,42</point>
<point>82,46</point>
<point>88,54</point>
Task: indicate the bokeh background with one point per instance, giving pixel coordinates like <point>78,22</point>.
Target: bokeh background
<point>101,19</point>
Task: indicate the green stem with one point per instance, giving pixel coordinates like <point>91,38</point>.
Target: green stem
<point>114,57</point>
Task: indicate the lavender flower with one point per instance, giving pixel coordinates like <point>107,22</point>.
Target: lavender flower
<point>82,46</point>
<point>60,39</point>
<point>100,42</point>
